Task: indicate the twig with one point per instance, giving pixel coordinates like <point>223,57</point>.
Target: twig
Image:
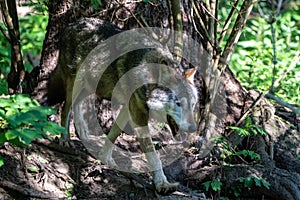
<point>283,103</point>
<point>202,24</point>
<point>237,30</point>
<point>228,22</point>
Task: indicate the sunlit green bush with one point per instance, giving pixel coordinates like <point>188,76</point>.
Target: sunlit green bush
<point>252,61</point>
<point>22,120</point>
<point>32,33</point>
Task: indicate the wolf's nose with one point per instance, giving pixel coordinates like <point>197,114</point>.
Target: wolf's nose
<point>192,128</point>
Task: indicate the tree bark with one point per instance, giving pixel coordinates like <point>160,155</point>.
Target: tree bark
<point>61,13</point>
<point>17,71</point>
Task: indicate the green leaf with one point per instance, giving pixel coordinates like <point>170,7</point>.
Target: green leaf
<point>11,115</point>
<point>2,138</point>
<point>261,130</point>
<point>1,161</point>
<point>2,114</point>
<point>33,169</point>
<point>257,181</point>
<point>4,102</point>
<point>241,179</point>
<point>216,185</point>
<point>24,101</point>
<point>248,182</point>
<point>28,135</point>
<point>54,128</point>
<point>42,160</point>
<point>3,87</point>
<point>206,185</point>
<point>241,131</point>
<point>11,134</point>
<point>32,115</point>
<point>96,3</point>
<point>265,183</point>
<point>250,153</point>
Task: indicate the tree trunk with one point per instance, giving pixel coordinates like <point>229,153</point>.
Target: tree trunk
<point>17,72</point>
<point>61,13</point>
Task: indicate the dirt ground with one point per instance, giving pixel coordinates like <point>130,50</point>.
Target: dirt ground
<point>46,170</point>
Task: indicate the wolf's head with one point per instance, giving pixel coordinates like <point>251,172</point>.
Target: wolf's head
<point>179,104</point>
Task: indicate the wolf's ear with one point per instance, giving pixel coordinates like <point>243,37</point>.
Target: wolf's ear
<point>190,74</point>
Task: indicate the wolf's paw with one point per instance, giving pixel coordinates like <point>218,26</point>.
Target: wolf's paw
<point>105,154</point>
<point>162,185</point>
<point>68,144</point>
<point>166,187</point>
<point>65,141</point>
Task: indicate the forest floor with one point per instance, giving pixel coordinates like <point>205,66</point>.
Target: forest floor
<point>46,170</point>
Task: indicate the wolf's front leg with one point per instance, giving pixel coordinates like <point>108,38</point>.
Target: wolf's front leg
<point>161,183</point>
<point>64,139</point>
<point>105,154</point>
<point>81,126</point>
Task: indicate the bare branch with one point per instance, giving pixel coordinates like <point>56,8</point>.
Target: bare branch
<point>178,27</point>
<point>7,18</point>
<point>17,71</point>
<point>203,28</point>
<point>237,30</point>
<point>230,45</point>
<point>228,21</point>
<point>283,103</point>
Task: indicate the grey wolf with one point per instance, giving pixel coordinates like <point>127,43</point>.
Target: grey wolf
<point>178,102</point>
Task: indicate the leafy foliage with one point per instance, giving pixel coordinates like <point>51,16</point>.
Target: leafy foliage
<point>247,182</point>
<point>249,129</point>
<point>32,33</point>
<point>254,180</point>
<point>253,59</point>
<point>215,185</point>
<point>231,153</point>
<point>22,120</point>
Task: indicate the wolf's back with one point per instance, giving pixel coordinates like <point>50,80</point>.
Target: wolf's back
<point>77,40</point>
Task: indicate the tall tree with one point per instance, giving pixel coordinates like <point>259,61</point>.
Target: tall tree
<point>17,71</point>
